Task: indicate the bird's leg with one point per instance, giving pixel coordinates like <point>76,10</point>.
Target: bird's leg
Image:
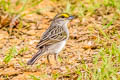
<point>55,57</point>
<point>48,58</point>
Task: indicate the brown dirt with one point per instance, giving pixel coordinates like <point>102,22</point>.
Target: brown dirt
<point>81,46</point>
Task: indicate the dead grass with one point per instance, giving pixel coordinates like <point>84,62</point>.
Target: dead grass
<point>92,51</point>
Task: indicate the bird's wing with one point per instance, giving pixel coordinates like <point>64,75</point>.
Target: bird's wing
<point>52,35</point>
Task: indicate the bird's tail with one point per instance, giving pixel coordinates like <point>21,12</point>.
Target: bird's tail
<point>35,57</point>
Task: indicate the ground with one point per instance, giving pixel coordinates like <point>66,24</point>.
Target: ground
<point>91,53</point>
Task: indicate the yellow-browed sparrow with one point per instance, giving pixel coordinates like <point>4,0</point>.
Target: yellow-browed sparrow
<point>54,38</point>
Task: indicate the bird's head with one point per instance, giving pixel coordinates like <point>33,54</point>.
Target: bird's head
<point>63,17</point>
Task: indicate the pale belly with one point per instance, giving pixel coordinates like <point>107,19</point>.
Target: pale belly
<point>56,48</point>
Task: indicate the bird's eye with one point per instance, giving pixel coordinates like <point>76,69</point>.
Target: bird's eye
<point>62,16</point>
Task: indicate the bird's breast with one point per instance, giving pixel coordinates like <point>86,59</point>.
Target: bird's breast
<point>57,47</point>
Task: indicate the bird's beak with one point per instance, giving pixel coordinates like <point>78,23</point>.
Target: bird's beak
<point>71,17</point>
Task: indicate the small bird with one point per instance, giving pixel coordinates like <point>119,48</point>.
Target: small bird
<point>54,38</point>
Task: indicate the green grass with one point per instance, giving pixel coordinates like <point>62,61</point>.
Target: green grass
<point>55,75</point>
<point>105,65</point>
<point>11,53</point>
<point>43,76</point>
<point>11,7</point>
<point>34,77</point>
<point>88,7</point>
<point>17,10</point>
<point>23,50</point>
